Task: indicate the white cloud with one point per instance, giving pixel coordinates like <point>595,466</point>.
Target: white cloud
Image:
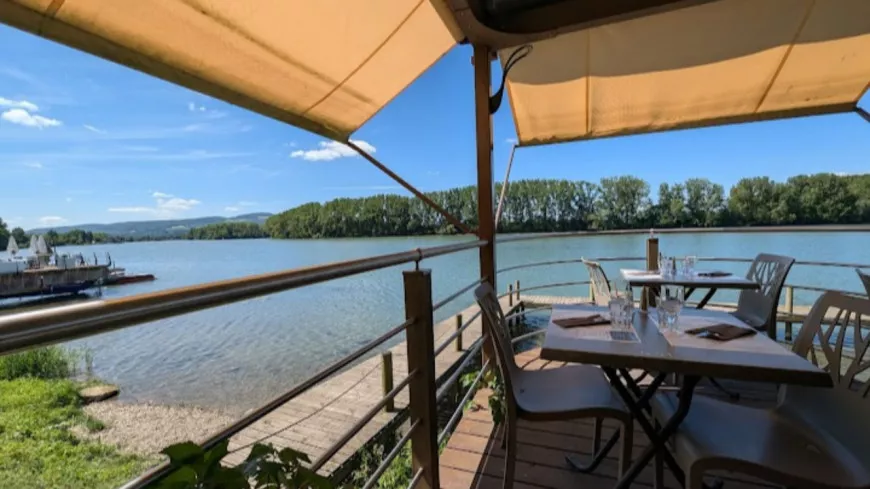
<point>246,203</point>
<point>230,208</point>
<point>18,104</point>
<point>365,187</point>
<point>132,209</point>
<point>94,129</point>
<point>191,106</point>
<point>25,118</point>
<point>511,140</point>
<point>332,150</point>
<point>69,199</point>
<point>165,206</point>
<point>51,220</point>
<point>33,164</point>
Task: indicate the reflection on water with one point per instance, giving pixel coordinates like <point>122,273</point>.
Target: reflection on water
<point>241,355</point>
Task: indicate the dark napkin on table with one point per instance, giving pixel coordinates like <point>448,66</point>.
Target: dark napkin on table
<point>714,273</point>
<point>721,332</point>
<point>580,321</point>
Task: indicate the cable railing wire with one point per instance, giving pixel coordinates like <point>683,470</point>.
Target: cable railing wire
<point>457,372</point>
<point>364,420</point>
<point>385,464</point>
<point>456,294</point>
<point>448,428</point>
<point>416,479</point>
<point>461,329</point>
<point>576,260</point>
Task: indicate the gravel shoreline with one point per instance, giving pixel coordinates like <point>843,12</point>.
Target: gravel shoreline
<point>145,429</point>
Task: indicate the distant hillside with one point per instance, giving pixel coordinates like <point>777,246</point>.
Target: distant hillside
<point>170,227</point>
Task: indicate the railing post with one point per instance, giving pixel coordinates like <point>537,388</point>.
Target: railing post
<point>510,295</point>
<point>421,390</point>
<point>387,378</point>
<point>647,297</point>
<point>789,309</point>
<point>459,336</point>
<point>517,288</point>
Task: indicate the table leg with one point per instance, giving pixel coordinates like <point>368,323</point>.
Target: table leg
<point>657,438</point>
<point>706,298</point>
<point>687,291</point>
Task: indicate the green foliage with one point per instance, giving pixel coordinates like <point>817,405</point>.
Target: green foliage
<point>397,476</point>
<point>38,449</point>
<point>492,381</point>
<point>228,230</point>
<point>265,468</point>
<point>615,203</point>
<point>51,362</point>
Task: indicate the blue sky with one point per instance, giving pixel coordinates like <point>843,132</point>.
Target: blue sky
<point>85,140</point>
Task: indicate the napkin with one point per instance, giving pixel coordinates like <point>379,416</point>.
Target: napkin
<point>721,332</point>
<point>581,320</point>
<point>714,273</point>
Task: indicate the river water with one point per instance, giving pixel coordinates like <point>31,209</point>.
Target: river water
<point>239,356</point>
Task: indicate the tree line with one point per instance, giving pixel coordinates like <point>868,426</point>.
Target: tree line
<point>222,230</point>
<point>614,203</point>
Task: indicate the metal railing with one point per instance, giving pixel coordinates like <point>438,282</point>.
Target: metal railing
<point>31,329</point>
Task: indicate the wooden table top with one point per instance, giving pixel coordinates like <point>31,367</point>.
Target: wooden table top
<point>638,278</point>
<point>753,358</point>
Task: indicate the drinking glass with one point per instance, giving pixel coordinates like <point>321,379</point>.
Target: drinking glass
<point>621,309</point>
<point>666,267</point>
<point>689,265</point>
<point>671,304</point>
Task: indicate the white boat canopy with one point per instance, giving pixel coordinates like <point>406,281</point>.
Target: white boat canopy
<point>329,65</point>
<point>12,246</point>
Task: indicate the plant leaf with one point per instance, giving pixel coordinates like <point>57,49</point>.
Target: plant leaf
<point>182,452</point>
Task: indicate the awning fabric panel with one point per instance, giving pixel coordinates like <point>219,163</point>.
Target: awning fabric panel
<point>325,65</point>
<point>714,63</point>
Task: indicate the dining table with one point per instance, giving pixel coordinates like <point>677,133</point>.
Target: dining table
<point>666,353</point>
<point>711,280</point>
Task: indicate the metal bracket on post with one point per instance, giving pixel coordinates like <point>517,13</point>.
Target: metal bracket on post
<point>518,54</point>
<point>420,341</point>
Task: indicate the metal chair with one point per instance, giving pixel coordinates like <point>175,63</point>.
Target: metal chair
<point>757,308</point>
<point>598,282</point>
<point>865,279</point>
<point>571,392</point>
<point>814,438</point>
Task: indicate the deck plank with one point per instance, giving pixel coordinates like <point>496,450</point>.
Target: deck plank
<point>473,457</point>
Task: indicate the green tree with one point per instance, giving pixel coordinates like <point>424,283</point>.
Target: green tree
<point>624,203</point>
<point>705,202</point>
<point>4,235</point>
<point>753,200</point>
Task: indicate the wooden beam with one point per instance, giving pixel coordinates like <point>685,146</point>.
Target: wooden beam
<point>483,129</point>
<point>421,363</point>
<point>410,188</point>
<point>863,113</point>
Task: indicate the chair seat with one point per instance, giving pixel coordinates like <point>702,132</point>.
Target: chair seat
<point>759,442</point>
<point>566,392</point>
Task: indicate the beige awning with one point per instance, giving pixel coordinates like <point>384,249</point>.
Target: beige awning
<point>715,63</point>
<point>330,65</point>
<point>323,65</point>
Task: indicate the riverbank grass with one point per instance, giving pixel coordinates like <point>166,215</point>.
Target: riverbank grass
<point>40,410</point>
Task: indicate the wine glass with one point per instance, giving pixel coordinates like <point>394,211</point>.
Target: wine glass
<point>671,305</point>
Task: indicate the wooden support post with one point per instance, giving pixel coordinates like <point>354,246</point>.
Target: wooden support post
<point>459,336</point>
<point>421,347</point>
<point>483,133</point>
<point>647,298</point>
<point>789,309</point>
<point>510,295</point>
<point>387,378</point>
<point>517,288</point>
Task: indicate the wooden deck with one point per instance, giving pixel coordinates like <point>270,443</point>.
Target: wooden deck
<point>315,420</point>
<point>474,458</point>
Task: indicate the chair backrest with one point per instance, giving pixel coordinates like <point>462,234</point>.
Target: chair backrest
<point>835,336</point>
<point>598,282</point>
<point>499,338</point>
<point>757,308</point>
<point>865,279</point>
